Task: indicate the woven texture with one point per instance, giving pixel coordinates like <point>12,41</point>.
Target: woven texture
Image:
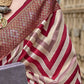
<point>5,2</point>
<point>40,40</point>
<point>21,25</point>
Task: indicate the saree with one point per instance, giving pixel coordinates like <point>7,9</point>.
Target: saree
<point>37,36</point>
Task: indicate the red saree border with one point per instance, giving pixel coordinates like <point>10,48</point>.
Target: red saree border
<point>20,9</point>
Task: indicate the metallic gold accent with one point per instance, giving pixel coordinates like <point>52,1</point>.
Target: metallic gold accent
<point>3,10</point>
<point>3,21</point>
<point>5,2</point>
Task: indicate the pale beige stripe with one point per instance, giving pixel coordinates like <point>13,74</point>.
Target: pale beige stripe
<point>34,68</point>
<point>61,55</point>
<point>47,22</point>
<point>33,40</point>
<point>16,52</point>
<point>65,78</point>
<point>35,57</point>
<point>43,50</point>
<point>27,38</point>
<point>67,63</point>
<point>32,78</point>
<point>50,35</point>
<point>48,80</point>
<point>43,22</point>
<point>52,29</point>
<point>31,82</point>
<point>13,54</point>
<point>4,60</point>
<point>49,72</point>
<point>77,76</point>
<point>37,77</point>
<point>68,74</point>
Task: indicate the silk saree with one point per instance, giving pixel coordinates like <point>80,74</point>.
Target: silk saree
<point>37,36</point>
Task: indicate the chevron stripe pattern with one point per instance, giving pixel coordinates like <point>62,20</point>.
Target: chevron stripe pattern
<point>47,53</point>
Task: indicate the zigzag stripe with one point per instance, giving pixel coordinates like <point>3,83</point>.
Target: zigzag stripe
<point>31,54</point>
<point>76,79</point>
<point>31,67</point>
<point>65,70</point>
<point>30,44</point>
<point>62,61</point>
<point>55,28</point>
<point>67,75</point>
<point>37,60</point>
<point>37,57</point>
<point>38,53</point>
<point>72,76</point>
<point>55,46</point>
<point>38,66</point>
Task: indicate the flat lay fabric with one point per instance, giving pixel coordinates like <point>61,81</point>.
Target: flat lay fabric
<point>37,36</point>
